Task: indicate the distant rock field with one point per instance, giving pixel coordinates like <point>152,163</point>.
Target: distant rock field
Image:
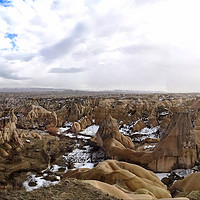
<point>99,145</point>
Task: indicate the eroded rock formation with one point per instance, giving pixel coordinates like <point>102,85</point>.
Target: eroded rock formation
<point>38,117</point>
<point>125,176</point>
<point>109,137</point>
<point>9,132</point>
<point>36,155</point>
<point>188,184</point>
<point>176,149</point>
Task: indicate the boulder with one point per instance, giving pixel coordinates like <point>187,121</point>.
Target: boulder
<point>7,146</point>
<point>151,140</point>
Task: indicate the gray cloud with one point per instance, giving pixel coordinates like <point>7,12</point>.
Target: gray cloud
<point>64,70</point>
<point>9,74</point>
<point>65,45</point>
<point>21,57</point>
<point>108,24</point>
<point>143,49</point>
<point>142,2</point>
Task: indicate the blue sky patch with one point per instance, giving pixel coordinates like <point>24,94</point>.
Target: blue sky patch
<point>5,3</point>
<point>11,36</point>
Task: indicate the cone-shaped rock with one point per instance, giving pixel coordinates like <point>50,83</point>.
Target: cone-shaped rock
<point>177,148</point>
<point>109,137</point>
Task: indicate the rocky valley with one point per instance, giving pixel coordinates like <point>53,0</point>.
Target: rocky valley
<point>99,145</point>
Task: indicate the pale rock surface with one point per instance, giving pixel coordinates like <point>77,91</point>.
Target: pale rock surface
<point>125,176</point>
<point>188,184</point>
<point>9,132</point>
<point>42,116</point>
<point>109,137</point>
<point>109,189</point>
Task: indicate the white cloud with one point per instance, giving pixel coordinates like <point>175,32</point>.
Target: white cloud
<point>123,44</point>
<point>4,42</point>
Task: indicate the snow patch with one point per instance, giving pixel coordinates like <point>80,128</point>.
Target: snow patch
<point>162,175</point>
<point>148,131</point>
<point>83,165</point>
<point>149,146</point>
<point>184,172</point>
<point>39,181</point>
<point>91,130</point>
<point>80,157</point>
<point>66,127</point>
<point>127,130</point>
<point>55,168</point>
<point>164,113</point>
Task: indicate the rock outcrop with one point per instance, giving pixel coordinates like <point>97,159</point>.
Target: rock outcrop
<point>37,117</point>
<point>83,123</point>
<point>176,149</point>
<point>9,132</point>
<point>76,127</point>
<point>188,184</point>
<point>36,155</point>
<point>109,137</point>
<point>108,189</point>
<point>127,177</point>
<point>139,126</point>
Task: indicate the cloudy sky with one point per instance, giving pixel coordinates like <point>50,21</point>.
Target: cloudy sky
<point>101,44</point>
